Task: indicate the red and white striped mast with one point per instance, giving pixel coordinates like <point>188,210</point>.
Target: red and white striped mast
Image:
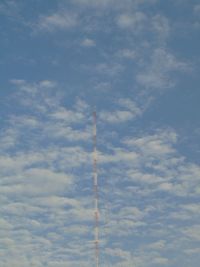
<point>96,195</point>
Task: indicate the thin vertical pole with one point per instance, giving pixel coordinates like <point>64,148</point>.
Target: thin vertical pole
<point>96,197</point>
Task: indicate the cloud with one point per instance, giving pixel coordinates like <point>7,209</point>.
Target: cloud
<point>46,183</point>
<point>128,110</point>
<point>126,53</point>
<point>130,105</point>
<point>17,82</point>
<point>37,182</point>
<point>161,260</point>
<point>8,139</point>
<point>135,21</point>
<point>107,68</point>
<point>197,9</point>
<point>43,98</point>
<point>153,164</point>
<point>157,144</point>
<point>193,232</point>
<point>94,3</point>
<point>157,74</point>
<point>161,27</point>
<point>196,12</point>
<point>10,9</point>
<point>158,245</point>
<point>192,208</point>
<point>110,69</point>
<point>47,84</point>
<point>88,42</point>
<point>118,116</point>
<point>101,4</point>
<point>192,251</point>
<point>138,22</point>
<point>57,21</point>
<point>148,188</point>
<point>68,116</point>
<point>114,4</point>
<point>186,211</point>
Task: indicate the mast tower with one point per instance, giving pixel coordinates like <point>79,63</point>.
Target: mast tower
<point>96,195</point>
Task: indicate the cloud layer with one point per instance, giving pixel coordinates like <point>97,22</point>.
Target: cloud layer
<point>135,63</point>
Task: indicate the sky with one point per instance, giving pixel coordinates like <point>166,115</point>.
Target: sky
<point>137,63</point>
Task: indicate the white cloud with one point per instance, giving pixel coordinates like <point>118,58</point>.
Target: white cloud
<point>47,84</point>
<point>57,21</point>
<point>160,25</point>
<point>158,245</point>
<point>192,208</point>
<point>43,98</point>
<point>56,202</point>
<point>88,42</point>
<point>134,21</point>
<point>82,106</point>
<point>167,170</point>
<point>37,182</point>
<point>25,121</point>
<point>157,144</point>
<point>42,186</point>
<point>4,224</point>
<point>197,9</point>
<point>119,156</point>
<point>103,86</point>
<point>118,116</point>
<point>186,211</point>
<point>110,69</point>
<point>145,178</point>
<point>46,143</point>
<point>127,54</point>
<point>131,213</point>
<point>128,110</point>
<point>160,260</point>
<point>114,4</point>
<point>11,9</point>
<point>8,139</point>
<point>69,116</point>
<point>60,130</point>
<point>197,16</point>
<point>156,75</point>
<point>130,105</point>
<point>193,232</point>
<point>166,187</point>
<point>102,3</point>
<point>192,251</point>
<point>17,81</point>
<point>116,252</point>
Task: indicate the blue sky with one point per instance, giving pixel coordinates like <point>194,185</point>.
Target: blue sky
<point>137,63</point>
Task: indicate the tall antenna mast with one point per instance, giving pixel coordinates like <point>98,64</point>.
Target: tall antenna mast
<point>96,197</point>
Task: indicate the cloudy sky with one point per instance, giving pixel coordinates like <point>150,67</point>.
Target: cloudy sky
<point>137,63</point>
